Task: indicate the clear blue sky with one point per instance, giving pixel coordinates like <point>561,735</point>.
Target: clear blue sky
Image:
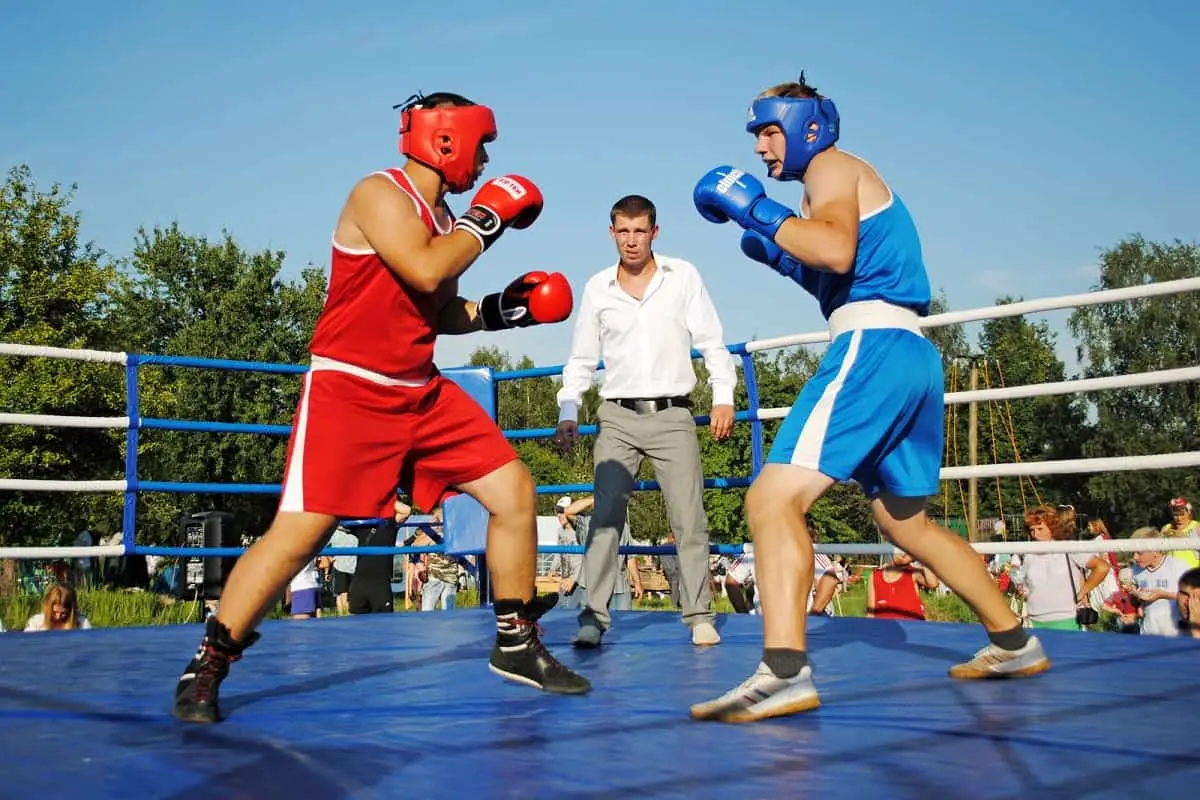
<point>1025,136</point>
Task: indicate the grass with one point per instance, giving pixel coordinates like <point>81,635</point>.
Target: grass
<point>106,609</point>
<point>114,609</point>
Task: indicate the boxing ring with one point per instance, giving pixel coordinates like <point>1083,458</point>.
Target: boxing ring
<point>374,705</point>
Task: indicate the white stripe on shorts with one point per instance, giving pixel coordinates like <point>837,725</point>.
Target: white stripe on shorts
<point>293,487</point>
<point>807,452</point>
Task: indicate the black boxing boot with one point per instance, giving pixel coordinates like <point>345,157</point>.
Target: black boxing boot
<point>197,695</point>
<point>519,654</point>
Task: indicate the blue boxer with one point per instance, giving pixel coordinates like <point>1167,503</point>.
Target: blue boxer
<point>872,413</point>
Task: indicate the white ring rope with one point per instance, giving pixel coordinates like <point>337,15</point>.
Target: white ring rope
<point>57,421</point>
<point>1074,466</point>
<point>1007,310</point>
<point>22,485</point>
<point>936,321</point>
<point>1023,548</point>
<point>54,553</point>
<point>10,349</point>
<point>1154,378</point>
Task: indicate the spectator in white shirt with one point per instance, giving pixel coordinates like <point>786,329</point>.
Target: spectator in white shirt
<point>642,317</point>
<point>1157,577</point>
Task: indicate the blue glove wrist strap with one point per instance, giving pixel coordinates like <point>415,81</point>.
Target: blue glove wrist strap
<point>767,216</point>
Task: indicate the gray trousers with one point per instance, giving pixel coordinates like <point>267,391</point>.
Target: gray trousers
<point>668,438</point>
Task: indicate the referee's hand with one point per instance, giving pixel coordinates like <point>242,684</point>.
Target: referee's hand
<point>720,422</point>
<point>566,435</point>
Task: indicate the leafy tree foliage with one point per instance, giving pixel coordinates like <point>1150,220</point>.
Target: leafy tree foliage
<point>1155,333</point>
<point>54,291</point>
<point>188,296</point>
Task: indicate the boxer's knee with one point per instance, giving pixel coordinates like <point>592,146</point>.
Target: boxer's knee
<point>784,491</point>
<point>299,534</point>
<point>508,493</point>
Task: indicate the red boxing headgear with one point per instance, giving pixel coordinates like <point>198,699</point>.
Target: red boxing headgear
<point>446,139</point>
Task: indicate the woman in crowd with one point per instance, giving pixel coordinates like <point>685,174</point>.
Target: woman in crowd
<point>1056,585</point>
<point>60,611</point>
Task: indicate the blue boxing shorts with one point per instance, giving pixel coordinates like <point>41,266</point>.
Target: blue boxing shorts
<point>872,413</point>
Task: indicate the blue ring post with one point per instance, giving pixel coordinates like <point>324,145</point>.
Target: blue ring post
<point>756,427</point>
<point>133,411</point>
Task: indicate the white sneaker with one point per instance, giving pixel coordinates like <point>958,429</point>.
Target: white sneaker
<point>996,662</point>
<point>705,635</point>
<point>762,696</point>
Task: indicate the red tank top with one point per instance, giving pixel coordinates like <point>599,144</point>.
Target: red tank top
<point>899,599</point>
<point>371,318</point>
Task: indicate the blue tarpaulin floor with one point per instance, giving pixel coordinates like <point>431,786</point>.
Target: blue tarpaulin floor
<point>403,705</point>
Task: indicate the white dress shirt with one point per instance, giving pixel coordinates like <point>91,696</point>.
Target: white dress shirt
<point>646,345</point>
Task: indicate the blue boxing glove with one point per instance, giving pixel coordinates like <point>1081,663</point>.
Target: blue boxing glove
<point>726,193</point>
<point>763,250</point>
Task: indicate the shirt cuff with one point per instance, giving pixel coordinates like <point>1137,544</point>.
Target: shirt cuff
<point>722,396</point>
<point>568,412</point>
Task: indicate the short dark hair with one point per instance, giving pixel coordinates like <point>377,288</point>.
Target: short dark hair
<point>435,100</point>
<point>444,99</point>
<point>797,88</point>
<point>1190,580</point>
<point>634,205</point>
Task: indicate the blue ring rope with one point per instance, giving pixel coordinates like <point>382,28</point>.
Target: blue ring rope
<point>750,376</point>
<point>134,362</point>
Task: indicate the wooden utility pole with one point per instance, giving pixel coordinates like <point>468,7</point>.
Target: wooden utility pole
<point>973,457</point>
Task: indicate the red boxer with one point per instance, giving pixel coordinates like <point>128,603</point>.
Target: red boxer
<point>374,413</point>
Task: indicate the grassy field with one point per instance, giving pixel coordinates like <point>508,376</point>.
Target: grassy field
<point>106,609</point>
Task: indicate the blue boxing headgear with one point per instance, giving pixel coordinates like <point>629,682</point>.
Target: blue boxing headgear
<point>811,126</point>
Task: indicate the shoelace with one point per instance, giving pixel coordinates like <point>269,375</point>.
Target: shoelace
<point>521,622</point>
<point>209,673</point>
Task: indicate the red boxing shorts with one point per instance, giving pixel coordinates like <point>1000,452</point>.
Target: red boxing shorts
<point>354,440</point>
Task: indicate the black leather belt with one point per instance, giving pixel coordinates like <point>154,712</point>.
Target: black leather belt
<point>651,405</point>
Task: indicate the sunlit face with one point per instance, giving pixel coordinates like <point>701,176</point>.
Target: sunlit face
<point>1184,599</point>
<point>634,238</point>
<point>1040,531</point>
<point>1180,517</point>
<point>771,146</point>
<point>1149,559</point>
<point>481,160</point>
<point>902,559</point>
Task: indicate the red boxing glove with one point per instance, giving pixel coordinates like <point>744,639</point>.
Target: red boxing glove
<point>535,298</point>
<point>509,200</point>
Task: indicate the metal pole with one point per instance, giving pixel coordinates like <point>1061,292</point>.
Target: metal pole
<point>973,458</point>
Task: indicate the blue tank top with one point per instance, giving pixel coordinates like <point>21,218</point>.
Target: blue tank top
<point>888,266</point>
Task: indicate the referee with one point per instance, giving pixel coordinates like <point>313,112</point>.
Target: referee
<point>643,317</point>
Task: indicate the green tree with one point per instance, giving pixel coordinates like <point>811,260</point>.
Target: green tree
<point>55,290</point>
<point>189,296</point>
<point>1139,336</point>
